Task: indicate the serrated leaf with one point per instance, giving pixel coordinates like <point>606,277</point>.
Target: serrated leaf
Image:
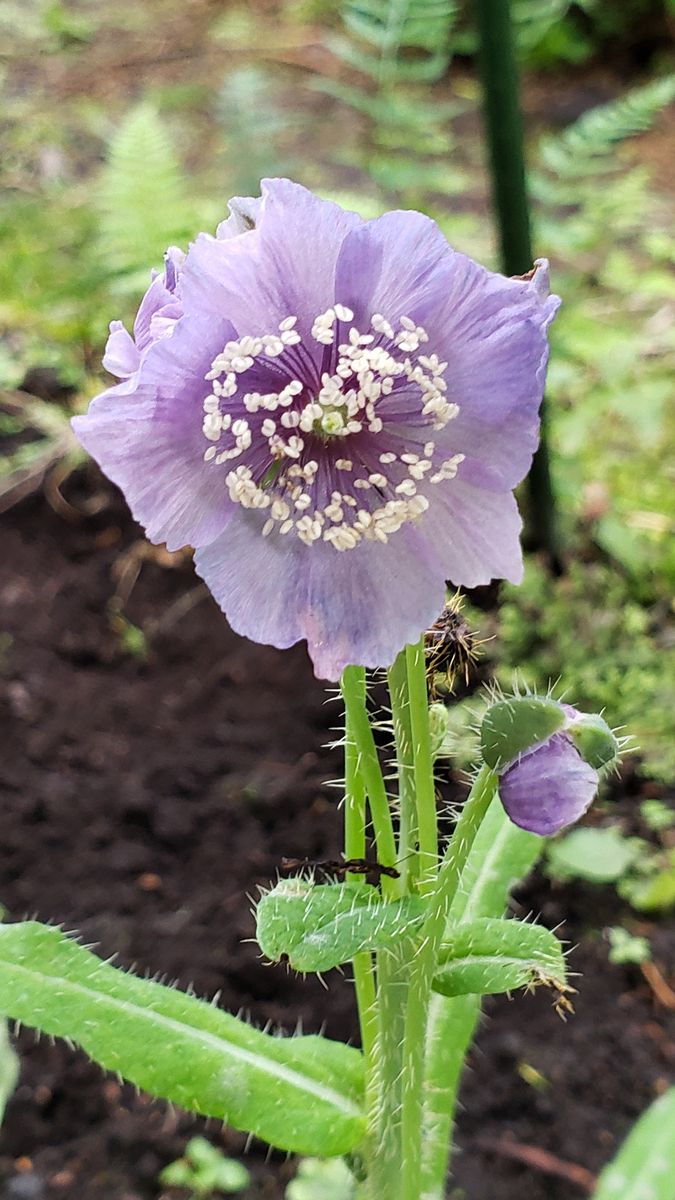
<point>487,956</point>
<point>317,927</point>
<point>299,1094</point>
<point>644,1168</point>
<point>513,726</point>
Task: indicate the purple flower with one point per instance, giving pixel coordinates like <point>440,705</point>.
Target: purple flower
<point>548,787</point>
<point>334,413</point>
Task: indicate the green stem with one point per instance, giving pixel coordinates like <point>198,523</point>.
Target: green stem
<point>427,822</point>
<point>392,992</point>
<point>504,130</point>
<point>422,975</point>
<point>355,847</point>
<point>370,770</point>
<point>408,863</point>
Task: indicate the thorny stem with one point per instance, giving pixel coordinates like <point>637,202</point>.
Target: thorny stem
<point>425,792</point>
<point>368,766</point>
<point>408,863</point>
<point>422,975</point>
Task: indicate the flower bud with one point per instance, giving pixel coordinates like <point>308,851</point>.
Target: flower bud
<point>547,756</point>
<point>439,723</point>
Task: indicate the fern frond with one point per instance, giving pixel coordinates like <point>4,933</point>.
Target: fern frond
<point>585,147</point>
<point>392,41</point>
<point>142,201</point>
<point>533,22</point>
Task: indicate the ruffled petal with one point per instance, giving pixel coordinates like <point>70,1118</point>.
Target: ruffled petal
<point>284,266</point>
<point>549,788</point>
<point>494,340</point>
<point>398,264</point>
<point>358,607</point>
<point>301,238</point>
<point>244,213</point>
<point>146,435</point>
<point>471,536</point>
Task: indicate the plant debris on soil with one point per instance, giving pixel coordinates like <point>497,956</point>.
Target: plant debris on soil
<point>144,799</point>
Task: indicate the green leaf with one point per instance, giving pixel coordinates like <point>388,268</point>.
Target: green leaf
<point>644,1168</point>
<point>512,726</point>
<point>594,136</point>
<point>626,947</point>
<point>500,857</point>
<point>322,1179</point>
<point>491,955</point>
<point>9,1068</point>
<point>598,855</point>
<point>205,1170</point>
<point>301,1094</point>
<point>654,892</point>
<point>319,927</point>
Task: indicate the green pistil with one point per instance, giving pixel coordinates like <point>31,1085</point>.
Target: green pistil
<point>271,474</point>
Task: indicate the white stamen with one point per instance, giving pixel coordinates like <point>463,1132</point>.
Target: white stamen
<point>364,369</point>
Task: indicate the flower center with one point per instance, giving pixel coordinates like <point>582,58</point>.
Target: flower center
<point>340,449</point>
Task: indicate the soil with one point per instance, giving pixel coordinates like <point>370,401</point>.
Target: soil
<point>144,799</point>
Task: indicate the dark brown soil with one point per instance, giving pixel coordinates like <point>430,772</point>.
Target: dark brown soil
<point>143,799</point>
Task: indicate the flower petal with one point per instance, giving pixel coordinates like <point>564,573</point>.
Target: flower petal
<point>122,356</point>
<point>398,264</point>
<point>549,788</point>
<point>285,266</point>
<point>146,435</point>
<point>496,347</point>
<point>244,214</point>
<point>472,536</point>
<point>361,606</point>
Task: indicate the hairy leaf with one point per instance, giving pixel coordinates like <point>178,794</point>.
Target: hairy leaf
<point>319,927</point>
<point>644,1168</point>
<point>490,955</point>
<point>300,1094</point>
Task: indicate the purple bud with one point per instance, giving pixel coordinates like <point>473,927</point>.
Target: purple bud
<point>548,787</point>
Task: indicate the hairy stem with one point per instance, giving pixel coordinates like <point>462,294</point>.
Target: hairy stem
<point>422,975</point>
<point>423,765</point>
<point>408,863</point>
<point>355,847</point>
<point>369,768</point>
<point>392,992</point>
